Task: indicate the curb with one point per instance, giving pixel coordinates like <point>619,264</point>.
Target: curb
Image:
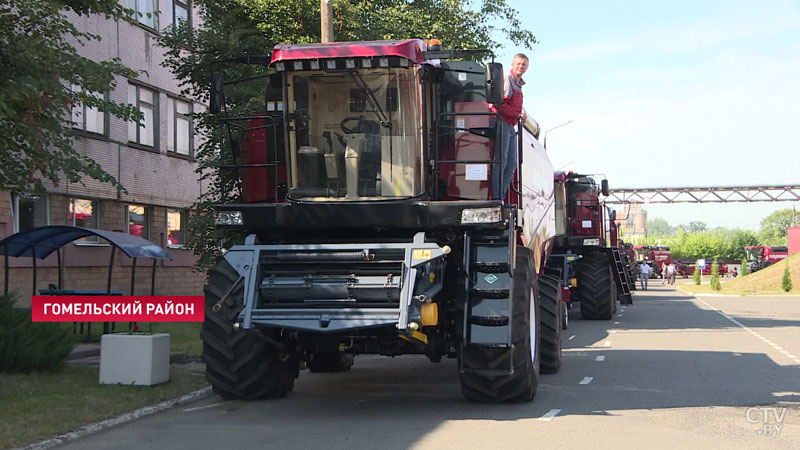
<point>93,428</point>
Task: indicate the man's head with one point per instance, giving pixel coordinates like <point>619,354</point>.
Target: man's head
<point>519,65</point>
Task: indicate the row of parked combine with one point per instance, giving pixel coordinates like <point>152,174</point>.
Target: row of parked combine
<point>359,176</point>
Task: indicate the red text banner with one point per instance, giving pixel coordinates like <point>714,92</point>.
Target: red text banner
<point>76,308</point>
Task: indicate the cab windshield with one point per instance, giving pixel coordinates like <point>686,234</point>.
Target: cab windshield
<point>754,254</point>
<point>355,135</point>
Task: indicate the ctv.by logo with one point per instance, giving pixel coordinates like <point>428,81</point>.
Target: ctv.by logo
<point>763,415</point>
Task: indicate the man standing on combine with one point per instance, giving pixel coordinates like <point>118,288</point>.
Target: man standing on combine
<point>510,113</point>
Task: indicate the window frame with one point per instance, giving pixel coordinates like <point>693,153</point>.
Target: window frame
<point>88,240</point>
<point>172,126</point>
<point>185,4</point>
<point>184,218</point>
<point>154,106</point>
<point>15,208</point>
<point>138,18</point>
<point>147,214</point>
<point>83,126</point>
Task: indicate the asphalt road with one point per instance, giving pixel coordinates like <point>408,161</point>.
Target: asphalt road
<point>671,371</point>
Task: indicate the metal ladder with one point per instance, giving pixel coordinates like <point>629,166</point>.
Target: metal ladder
<point>622,277</point>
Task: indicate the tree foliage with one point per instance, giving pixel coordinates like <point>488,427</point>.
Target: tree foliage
<point>715,283</point>
<point>253,27</point>
<point>40,64</point>
<point>658,226</point>
<point>786,281</point>
<point>774,227</point>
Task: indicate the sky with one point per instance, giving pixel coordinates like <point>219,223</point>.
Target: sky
<point>669,94</point>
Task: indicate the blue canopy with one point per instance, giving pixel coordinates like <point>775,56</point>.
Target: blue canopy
<point>42,241</point>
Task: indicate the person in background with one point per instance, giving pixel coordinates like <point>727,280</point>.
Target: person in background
<point>510,113</point>
<point>644,275</point>
<point>734,272</point>
<point>671,272</point>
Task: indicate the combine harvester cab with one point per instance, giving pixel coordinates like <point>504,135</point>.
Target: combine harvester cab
<point>592,269</point>
<point>360,174</point>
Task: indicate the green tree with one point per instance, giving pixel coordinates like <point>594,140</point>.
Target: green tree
<point>40,65</point>
<point>696,226</point>
<point>739,240</point>
<point>774,227</point>
<point>715,283</point>
<point>696,275</point>
<point>786,281</point>
<point>658,226</point>
<point>253,27</point>
<point>745,267</point>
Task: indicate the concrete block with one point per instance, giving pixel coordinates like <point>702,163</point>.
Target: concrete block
<point>140,359</point>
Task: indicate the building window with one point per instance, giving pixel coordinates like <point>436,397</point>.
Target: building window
<point>30,211</point>
<point>179,127</point>
<point>85,213</point>
<point>144,11</point>
<point>145,101</point>
<point>176,227</point>
<point>88,118</point>
<point>178,11</point>
<point>139,221</point>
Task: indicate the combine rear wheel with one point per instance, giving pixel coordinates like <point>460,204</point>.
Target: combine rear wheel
<point>240,364</point>
<point>520,386</point>
<point>597,291</point>
<point>551,306</point>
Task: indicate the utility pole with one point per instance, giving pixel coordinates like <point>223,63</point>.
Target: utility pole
<point>326,20</point>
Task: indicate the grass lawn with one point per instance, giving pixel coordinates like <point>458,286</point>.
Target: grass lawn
<point>764,282</point>
<point>37,406</point>
<point>184,336</point>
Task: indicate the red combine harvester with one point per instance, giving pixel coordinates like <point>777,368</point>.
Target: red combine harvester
<point>654,256</point>
<point>585,255</point>
<point>760,257</point>
<point>359,175</point>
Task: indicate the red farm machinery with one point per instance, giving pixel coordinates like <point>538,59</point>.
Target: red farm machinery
<point>585,255</point>
<point>359,175</point>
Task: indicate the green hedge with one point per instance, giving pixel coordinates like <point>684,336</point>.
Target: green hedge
<point>26,346</point>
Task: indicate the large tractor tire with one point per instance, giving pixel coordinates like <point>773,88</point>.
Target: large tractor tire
<point>330,362</point>
<point>597,291</point>
<point>550,307</point>
<point>520,386</point>
<point>240,364</point>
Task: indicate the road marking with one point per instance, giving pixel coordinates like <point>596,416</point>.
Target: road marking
<point>549,415</point>
<point>607,344</point>
<point>785,352</point>
<point>767,341</point>
<point>612,331</point>
<point>201,407</point>
<point>600,358</point>
<point>619,315</point>
<point>791,356</point>
<point>572,337</point>
<point>616,323</point>
<point>586,380</point>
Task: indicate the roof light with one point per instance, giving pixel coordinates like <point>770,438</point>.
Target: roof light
<point>279,67</point>
<point>434,45</point>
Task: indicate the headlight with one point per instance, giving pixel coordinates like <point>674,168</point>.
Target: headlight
<point>228,218</point>
<point>481,215</point>
<point>591,241</point>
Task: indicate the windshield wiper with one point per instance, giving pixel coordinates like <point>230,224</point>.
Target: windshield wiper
<point>373,102</point>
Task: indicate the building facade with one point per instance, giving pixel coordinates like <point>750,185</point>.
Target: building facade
<point>153,161</point>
